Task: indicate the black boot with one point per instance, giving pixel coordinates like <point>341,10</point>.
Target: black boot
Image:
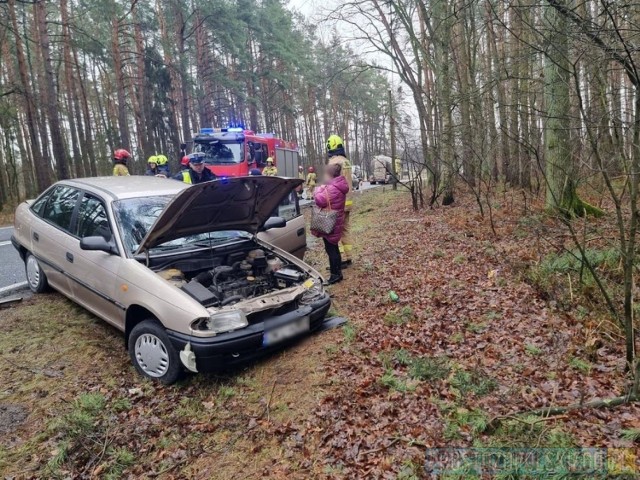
<point>334,278</point>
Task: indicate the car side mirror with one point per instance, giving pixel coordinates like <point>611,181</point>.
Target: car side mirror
<point>97,243</point>
<point>274,222</point>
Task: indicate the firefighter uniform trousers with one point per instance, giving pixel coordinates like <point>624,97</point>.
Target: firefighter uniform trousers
<point>345,245</point>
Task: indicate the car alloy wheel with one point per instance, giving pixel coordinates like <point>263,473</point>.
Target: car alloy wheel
<point>152,355</point>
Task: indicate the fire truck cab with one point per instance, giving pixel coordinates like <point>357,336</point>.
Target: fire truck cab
<point>233,151</point>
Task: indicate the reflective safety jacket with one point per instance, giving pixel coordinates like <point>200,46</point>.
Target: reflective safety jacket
<point>120,170</point>
<point>346,173</point>
<point>311,179</point>
<point>190,177</point>
<point>270,171</point>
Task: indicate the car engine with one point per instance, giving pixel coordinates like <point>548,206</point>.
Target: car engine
<point>238,279</point>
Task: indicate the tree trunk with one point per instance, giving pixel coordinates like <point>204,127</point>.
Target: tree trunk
<point>43,178</point>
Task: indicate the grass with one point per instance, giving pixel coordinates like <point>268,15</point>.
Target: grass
<point>477,327</point>
<point>393,382</point>
<point>350,332</point>
<point>580,365</point>
<point>83,396</point>
<point>532,349</point>
<point>399,316</point>
<point>476,382</point>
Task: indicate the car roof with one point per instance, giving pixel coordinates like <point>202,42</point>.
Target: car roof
<point>119,188</point>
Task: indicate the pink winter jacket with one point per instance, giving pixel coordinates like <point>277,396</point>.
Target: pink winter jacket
<point>336,191</point>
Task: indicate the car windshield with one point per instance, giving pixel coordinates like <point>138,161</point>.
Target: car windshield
<point>135,216</point>
<point>219,153</point>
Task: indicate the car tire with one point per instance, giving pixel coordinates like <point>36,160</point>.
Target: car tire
<point>153,354</point>
<point>36,279</point>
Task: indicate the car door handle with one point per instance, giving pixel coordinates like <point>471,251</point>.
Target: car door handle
<point>36,237</point>
<point>300,232</point>
<point>69,257</point>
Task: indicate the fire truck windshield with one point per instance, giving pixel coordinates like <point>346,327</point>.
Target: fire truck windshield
<point>220,153</point>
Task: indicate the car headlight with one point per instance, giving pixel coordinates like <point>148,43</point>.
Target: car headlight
<point>222,322</point>
<point>314,289</point>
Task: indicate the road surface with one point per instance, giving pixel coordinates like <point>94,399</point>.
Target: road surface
<point>12,268</point>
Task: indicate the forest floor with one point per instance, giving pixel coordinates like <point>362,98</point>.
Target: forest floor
<point>480,331</point>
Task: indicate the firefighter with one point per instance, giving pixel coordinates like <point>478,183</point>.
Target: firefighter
<point>300,177</point>
<point>311,182</point>
<point>120,158</point>
<point>337,154</point>
<point>157,166</point>
<point>163,165</point>
<point>197,171</point>
<point>270,170</point>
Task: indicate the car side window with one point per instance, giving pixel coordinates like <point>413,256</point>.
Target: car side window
<point>39,204</point>
<point>289,207</point>
<point>60,207</point>
<point>92,219</point>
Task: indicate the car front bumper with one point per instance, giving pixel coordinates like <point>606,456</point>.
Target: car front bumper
<point>229,349</point>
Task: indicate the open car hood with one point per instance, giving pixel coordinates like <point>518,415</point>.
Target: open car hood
<point>240,203</point>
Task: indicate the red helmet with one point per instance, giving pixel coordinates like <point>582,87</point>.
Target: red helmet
<point>184,161</point>
<point>311,169</point>
<point>121,154</point>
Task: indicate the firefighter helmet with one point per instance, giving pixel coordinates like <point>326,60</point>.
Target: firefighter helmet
<point>161,160</point>
<point>121,155</point>
<point>184,161</point>
<point>334,142</point>
<point>270,160</point>
<point>153,159</point>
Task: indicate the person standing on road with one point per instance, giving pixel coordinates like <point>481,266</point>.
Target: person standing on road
<point>197,171</point>
<point>120,159</point>
<point>333,195</point>
<point>270,170</point>
<point>311,182</point>
<point>337,155</point>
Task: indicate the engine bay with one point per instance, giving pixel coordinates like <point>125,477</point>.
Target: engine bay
<point>233,277</point>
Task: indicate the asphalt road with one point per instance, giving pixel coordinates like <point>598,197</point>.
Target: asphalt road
<point>12,268</point>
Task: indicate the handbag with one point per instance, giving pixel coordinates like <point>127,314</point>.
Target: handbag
<point>323,220</point>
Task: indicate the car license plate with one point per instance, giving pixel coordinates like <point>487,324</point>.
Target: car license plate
<point>283,332</point>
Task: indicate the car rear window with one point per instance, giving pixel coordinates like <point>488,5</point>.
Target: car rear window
<point>60,206</point>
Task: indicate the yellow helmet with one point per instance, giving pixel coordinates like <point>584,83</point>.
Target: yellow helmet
<point>161,160</point>
<point>153,159</point>
<point>269,160</point>
<point>334,142</point>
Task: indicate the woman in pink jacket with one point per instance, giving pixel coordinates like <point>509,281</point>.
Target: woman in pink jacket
<point>333,194</point>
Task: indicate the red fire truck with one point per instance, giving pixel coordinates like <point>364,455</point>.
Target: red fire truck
<point>233,151</point>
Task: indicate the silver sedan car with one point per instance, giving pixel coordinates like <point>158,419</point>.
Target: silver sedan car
<point>181,270</point>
